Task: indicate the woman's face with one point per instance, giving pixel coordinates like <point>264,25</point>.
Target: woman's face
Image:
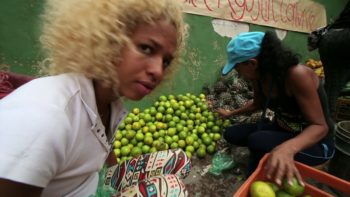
<point>144,61</point>
<point>247,69</point>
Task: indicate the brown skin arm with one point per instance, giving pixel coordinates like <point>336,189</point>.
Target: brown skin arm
<point>111,160</point>
<point>250,106</point>
<point>11,188</point>
<point>302,83</point>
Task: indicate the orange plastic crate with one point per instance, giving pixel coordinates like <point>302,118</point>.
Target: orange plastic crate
<point>306,172</point>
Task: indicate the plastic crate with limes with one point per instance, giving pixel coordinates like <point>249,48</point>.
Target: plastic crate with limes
<point>308,174</point>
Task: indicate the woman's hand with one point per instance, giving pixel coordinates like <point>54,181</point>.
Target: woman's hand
<point>223,113</point>
<point>281,165</point>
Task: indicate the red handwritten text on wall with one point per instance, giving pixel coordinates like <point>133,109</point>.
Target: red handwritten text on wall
<point>284,13</point>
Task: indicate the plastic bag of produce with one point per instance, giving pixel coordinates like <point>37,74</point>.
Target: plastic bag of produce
<point>221,161</point>
<point>103,190</point>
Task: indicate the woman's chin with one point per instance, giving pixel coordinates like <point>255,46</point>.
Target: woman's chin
<point>135,94</point>
<point>134,97</point>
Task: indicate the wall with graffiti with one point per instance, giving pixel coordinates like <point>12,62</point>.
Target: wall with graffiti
<point>212,23</point>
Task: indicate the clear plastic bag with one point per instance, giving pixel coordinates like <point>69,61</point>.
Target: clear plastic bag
<point>221,161</point>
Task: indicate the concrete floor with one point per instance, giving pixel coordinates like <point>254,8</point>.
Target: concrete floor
<point>202,183</point>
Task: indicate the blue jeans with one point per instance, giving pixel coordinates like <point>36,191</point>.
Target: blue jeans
<point>268,137</point>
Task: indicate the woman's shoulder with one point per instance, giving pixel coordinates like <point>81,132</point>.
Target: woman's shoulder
<point>300,72</point>
<point>300,76</point>
<point>300,69</point>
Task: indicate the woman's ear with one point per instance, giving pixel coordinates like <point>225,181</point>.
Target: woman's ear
<point>253,61</point>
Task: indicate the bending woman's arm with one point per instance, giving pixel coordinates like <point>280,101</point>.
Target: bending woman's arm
<point>302,84</point>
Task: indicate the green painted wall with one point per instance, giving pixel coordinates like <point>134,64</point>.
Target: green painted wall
<point>19,32</point>
<point>205,55</point>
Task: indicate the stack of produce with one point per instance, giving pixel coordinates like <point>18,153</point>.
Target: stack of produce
<point>181,121</point>
<point>231,92</point>
<point>228,92</point>
<point>316,65</point>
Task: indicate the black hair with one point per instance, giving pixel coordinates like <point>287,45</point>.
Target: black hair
<point>275,59</point>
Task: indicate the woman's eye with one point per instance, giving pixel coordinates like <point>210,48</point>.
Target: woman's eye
<point>146,49</point>
<point>166,63</point>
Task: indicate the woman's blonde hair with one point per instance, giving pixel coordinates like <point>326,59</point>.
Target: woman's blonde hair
<point>87,36</point>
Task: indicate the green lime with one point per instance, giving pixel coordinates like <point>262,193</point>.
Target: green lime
<point>175,138</point>
<point>168,140</point>
<point>117,152</point>
<point>174,145</point>
<point>201,129</point>
<point>156,135</point>
<point>136,126</point>
<point>124,141</point>
<point>188,154</point>
<point>117,144</point>
<point>134,142</point>
<point>195,144</point>
<point>125,150</point>
<point>216,136</point>
<point>128,120</point>
<point>207,140</point>
<point>139,144</point>
<point>181,143</point>
<point>159,125</point>
<point>201,152</point>
<point>136,151</point>
<point>118,136</point>
<point>148,140</point>
<point>163,98</point>
<point>153,149</point>
<point>171,131</point>
<point>152,128</point>
<point>190,149</point>
<point>216,129</point>
<point>295,189</point>
<point>182,135</point>
<point>274,186</point>
<point>147,117</point>
<point>201,96</point>
<point>211,149</point>
<point>130,134</point>
<point>189,140</point>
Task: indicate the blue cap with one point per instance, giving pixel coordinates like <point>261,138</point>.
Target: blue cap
<point>241,48</point>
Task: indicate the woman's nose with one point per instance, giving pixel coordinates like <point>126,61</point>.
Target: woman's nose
<point>156,69</point>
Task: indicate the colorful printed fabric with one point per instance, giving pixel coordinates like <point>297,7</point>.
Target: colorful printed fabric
<point>290,122</point>
<point>167,185</point>
<point>145,172</point>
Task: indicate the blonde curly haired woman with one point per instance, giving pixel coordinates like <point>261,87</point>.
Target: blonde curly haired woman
<point>56,131</point>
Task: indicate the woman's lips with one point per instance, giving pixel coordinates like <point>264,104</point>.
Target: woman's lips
<point>145,87</point>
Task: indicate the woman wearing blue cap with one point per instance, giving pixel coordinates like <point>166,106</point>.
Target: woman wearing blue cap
<point>301,127</point>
